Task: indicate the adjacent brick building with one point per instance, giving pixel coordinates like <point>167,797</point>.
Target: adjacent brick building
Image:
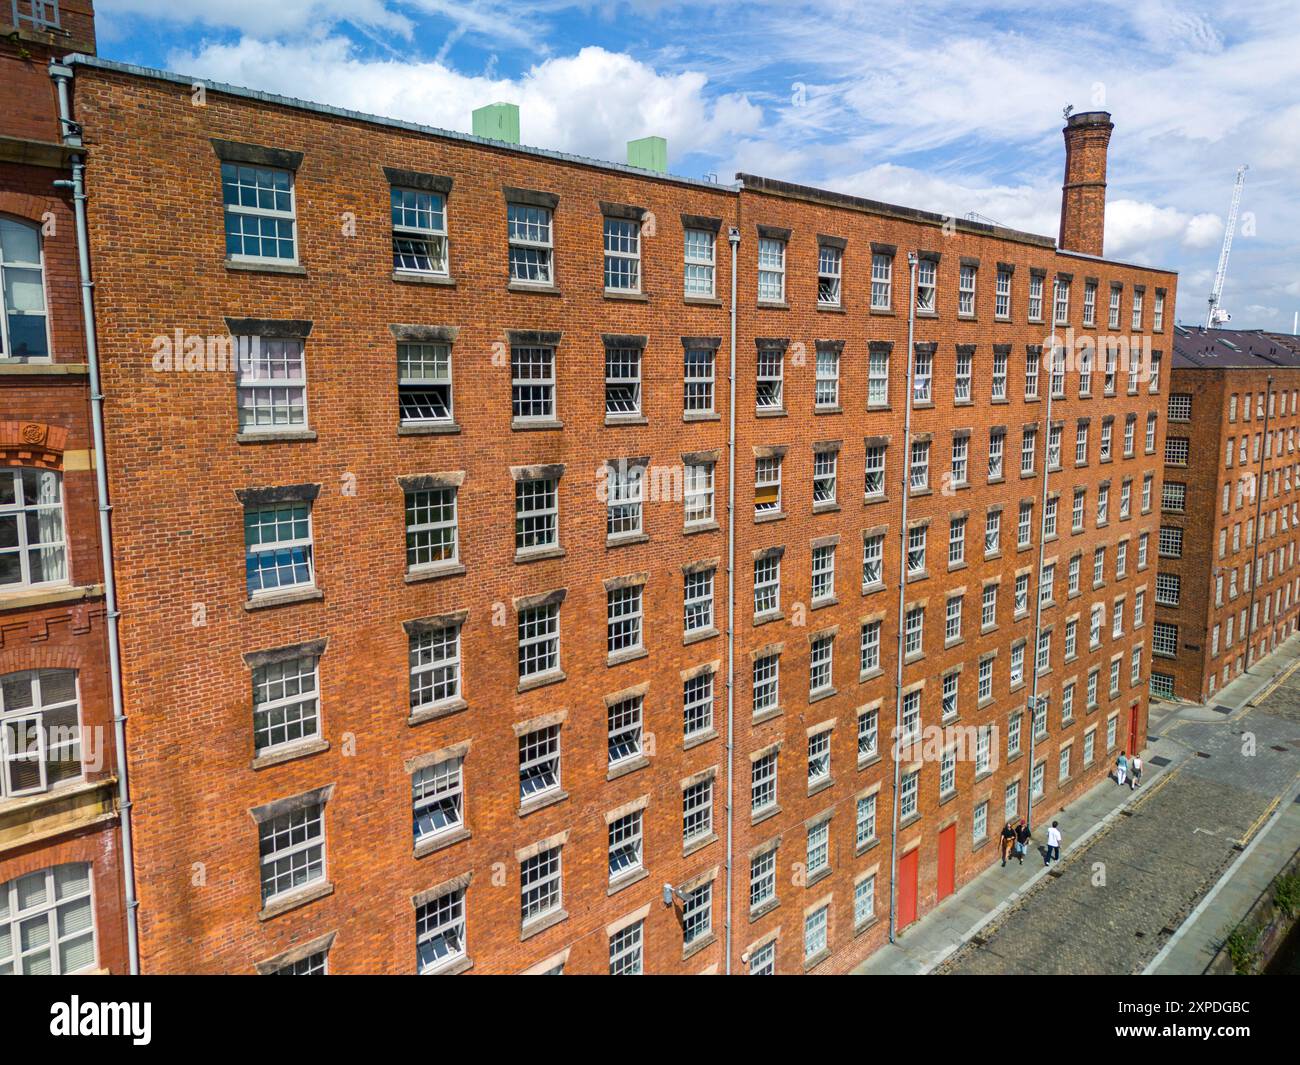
<point>419,449</point>
<point>61,894</point>
<point>1227,587</point>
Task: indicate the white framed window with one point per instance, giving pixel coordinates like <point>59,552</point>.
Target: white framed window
<point>1031,375</point>
<point>767,584</point>
<point>1062,302</point>
<point>769,379</point>
<point>278,547</point>
<point>985,686</point>
<point>1137,309</point>
<point>33,541</point>
<point>419,231</point>
<point>532,385</point>
<point>1171,542</point>
<point>762,962</point>
<point>624,486</point>
<point>820,662</point>
<point>926,282</point>
<point>1164,640</point>
<point>622,380</point>
<point>868,747</point>
<point>272,388</point>
<point>922,376</point>
<point>948,772</point>
<point>622,255</point>
<point>24,319</point>
<point>1090,303</point>
<point>818,848</point>
<point>907,794</point>
<point>997,445</point>
<point>541,881</point>
<point>625,845</point>
<point>697,811</point>
<point>961,387</point>
<point>697,705</point>
<point>438,799</point>
<point>539,762</point>
<point>916,537</point>
<point>829,266</point>
<point>878,377</point>
<point>825,464</point>
<point>1024,525</point>
<point>956,541</point>
<point>875,471</point>
<point>626,951</point>
<point>914,629</point>
<point>697,600</point>
<point>1017,673</point>
<point>767,485</point>
<point>823,573</point>
<point>698,380</point>
<point>1113,317</point>
<point>870,658</point>
<point>292,848</point>
<point>40,733</point>
<point>920,468</point>
<point>286,702</point>
<point>698,493</point>
<point>435,666</point>
<point>767,683</point>
<point>827,384</point>
<point>1158,314</point>
<point>431,527</point>
<point>966,290</point>
<point>952,618</point>
<point>989,606</point>
<point>864,901</point>
<point>762,785</point>
<point>699,247</point>
<point>531,248</point>
<point>771,270</point>
<point>1014,726</point>
<point>539,640</point>
<point>47,922</point>
<point>999,377</point>
<point>1035,297</point>
<point>259,213</point>
<point>623,619</point>
<point>424,391</point>
<point>697,914</point>
<point>625,731</point>
<point>882,281</point>
<point>1002,294</point>
<point>1028,450</point>
<point>992,532</point>
<point>537,514</point>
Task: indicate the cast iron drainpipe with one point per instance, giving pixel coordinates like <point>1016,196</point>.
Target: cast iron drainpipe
<point>71,138</point>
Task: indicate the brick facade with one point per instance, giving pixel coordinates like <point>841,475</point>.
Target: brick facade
<point>1231,594</point>
<point>45,425</point>
<point>181,473</point>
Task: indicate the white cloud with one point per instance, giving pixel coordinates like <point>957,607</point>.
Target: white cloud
<point>590,103</point>
<point>1203,231</point>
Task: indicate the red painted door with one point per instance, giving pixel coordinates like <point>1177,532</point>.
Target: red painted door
<point>907,888</point>
<point>947,861</point>
<point>1133,746</point>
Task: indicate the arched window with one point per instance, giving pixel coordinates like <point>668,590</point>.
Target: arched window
<point>33,550</point>
<point>47,922</point>
<point>23,333</point>
<point>40,731</point>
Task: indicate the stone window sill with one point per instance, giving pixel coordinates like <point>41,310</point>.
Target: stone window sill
<point>432,429</point>
<point>432,844</point>
<point>535,290</point>
<point>288,753</point>
<point>541,802</point>
<point>301,897</point>
<point>540,924</point>
<point>296,595</point>
<point>624,768</point>
<point>631,297</point>
<point>290,269</point>
<point>763,815</point>
<point>412,277</point>
<point>47,596</point>
<point>626,881</point>
<point>697,637</point>
<point>535,424</point>
<point>434,572</point>
<point>699,844</point>
<point>614,420</point>
<point>433,713</point>
<point>541,680</point>
<point>537,554</point>
<point>631,654</point>
<point>623,539</point>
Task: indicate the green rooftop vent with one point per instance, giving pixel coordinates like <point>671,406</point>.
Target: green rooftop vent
<point>497,122</point>
<point>648,153</point>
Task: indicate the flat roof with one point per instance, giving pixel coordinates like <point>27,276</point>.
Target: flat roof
<point>1198,348</point>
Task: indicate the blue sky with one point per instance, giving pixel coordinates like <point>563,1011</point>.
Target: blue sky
<point>950,107</point>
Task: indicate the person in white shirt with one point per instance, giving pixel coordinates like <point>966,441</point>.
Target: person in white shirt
<point>1134,772</point>
<point>1053,844</point>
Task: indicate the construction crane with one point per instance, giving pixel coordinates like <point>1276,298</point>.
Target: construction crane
<point>1215,314</point>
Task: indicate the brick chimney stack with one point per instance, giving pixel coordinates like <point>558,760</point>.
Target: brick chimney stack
<point>1083,196</point>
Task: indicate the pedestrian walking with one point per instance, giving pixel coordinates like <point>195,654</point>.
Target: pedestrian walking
<point>1121,768</point>
<point>1022,840</point>
<point>1135,771</point>
<point>1053,845</point>
<point>1008,840</point>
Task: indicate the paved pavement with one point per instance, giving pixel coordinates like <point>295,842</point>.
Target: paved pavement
<point>1137,865</point>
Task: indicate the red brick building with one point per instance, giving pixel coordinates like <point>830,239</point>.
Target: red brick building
<point>1227,589</point>
<point>419,449</point>
<point>61,890</point>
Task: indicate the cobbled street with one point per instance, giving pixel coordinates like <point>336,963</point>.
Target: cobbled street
<point>1115,903</point>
